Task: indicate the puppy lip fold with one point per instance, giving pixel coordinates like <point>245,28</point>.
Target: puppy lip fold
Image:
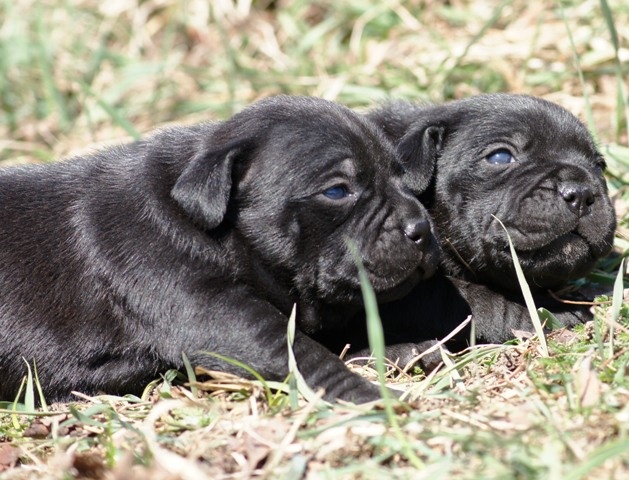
<point>532,237</point>
<point>383,282</point>
<point>571,245</point>
<point>401,289</point>
<point>386,288</point>
<point>552,244</point>
<point>568,256</point>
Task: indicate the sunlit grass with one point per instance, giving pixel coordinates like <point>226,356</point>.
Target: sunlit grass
<point>74,75</point>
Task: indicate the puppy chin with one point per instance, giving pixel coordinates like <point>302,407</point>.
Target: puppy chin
<point>393,285</point>
<point>387,281</point>
<point>532,236</point>
<point>386,288</point>
<point>567,258</point>
<point>400,290</point>
<point>553,267</point>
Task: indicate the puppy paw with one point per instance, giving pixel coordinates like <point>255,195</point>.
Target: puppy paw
<point>405,355</point>
<point>569,314</point>
<point>422,355</point>
<point>574,317</point>
<point>358,391</point>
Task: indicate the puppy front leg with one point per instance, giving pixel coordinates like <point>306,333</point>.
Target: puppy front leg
<point>498,315</point>
<point>253,332</point>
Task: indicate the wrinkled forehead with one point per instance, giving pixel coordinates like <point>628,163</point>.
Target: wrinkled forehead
<point>531,125</point>
<point>326,141</point>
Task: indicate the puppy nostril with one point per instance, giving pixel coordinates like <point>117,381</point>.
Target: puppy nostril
<point>417,230</point>
<point>578,196</point>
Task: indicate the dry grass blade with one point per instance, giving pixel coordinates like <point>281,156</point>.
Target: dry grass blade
<point>622,111</point>
<point>301,384</point>
<point>298,422</point>
<point>247,369</point>
<point>176,465</point>
<point>528,297</point>
<point>600,456</point>
<point>126,67</point>
<point>438,345</point>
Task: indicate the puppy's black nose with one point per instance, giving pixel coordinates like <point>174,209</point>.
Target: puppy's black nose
<point>578,196</point>
<point>418,230</point>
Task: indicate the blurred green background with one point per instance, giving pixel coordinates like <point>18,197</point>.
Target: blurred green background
<point>75,74</point>
<point>79,74</point>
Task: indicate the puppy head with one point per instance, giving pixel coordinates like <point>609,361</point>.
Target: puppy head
<point>295,179</point>
<point>529,163</point>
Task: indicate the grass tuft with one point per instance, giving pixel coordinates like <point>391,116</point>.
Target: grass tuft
<point>77,75</point>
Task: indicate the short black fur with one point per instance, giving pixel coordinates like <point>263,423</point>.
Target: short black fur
<point>523,160</point>
<point>200,239</point>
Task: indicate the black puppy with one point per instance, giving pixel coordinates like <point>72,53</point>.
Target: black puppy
<point>200,239</point>
<point>520,159</point>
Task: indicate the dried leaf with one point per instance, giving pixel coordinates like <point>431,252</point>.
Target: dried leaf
<point>588,386</point>
<point>37,429</point>
<point>521,334</point>
<point>89,465</point>
<point>9,455</point>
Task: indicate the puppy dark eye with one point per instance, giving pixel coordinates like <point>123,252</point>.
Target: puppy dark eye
<point>501,156</point>
<point>337,192</point>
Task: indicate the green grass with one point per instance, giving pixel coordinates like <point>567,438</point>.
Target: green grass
<point>75,75</point>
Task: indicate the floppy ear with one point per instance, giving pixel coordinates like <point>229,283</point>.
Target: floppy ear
<point>418,149</point>
<point>419,132</point>
<point>204,187</point>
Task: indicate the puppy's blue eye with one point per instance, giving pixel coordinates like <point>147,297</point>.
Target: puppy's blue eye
<point>500,157</point>
<point>336,193</point>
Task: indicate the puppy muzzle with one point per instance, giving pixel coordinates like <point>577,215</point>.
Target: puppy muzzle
<point>418,231</point>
